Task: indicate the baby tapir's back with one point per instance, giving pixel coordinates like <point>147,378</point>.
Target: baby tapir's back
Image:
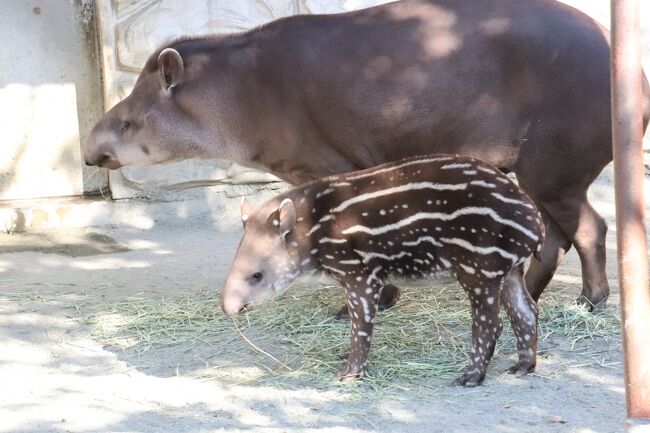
<point>428,213</point>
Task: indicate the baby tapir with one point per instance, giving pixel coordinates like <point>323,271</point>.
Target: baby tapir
<point>410,218</point>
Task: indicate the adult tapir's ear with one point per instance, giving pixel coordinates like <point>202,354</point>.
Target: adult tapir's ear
<point>284,219</point>
<point>170,68</point>
<point>246,210</point>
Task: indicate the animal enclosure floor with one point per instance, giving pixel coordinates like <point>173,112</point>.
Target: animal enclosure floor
<point>93,343</point>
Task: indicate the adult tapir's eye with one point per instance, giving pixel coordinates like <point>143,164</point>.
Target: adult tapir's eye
<point>126,125</point>
<point>256,277</point>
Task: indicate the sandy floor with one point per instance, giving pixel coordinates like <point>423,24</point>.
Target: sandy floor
<point>55,378</point>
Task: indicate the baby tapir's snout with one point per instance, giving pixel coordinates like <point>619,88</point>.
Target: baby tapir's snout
<point>410,218</point>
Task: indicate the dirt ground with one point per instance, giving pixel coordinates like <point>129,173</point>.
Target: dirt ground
<point>55,376</point>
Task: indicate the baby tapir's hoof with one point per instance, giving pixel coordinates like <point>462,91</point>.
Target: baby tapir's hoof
<point>521,369</point>
<point>388,298</point>
<point>469,380</point>
<point>350,373</point>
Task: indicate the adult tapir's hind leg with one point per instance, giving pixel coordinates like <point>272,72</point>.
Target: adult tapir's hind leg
<point>486,324</point>
<point>522,312</point>
<point>586,230</point>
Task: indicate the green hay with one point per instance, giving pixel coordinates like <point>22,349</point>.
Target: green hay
<point>295,341</point>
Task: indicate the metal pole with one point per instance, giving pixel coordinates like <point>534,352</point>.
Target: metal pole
<point>627,132</point>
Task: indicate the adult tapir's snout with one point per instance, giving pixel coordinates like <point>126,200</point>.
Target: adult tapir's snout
<point>98,148</point>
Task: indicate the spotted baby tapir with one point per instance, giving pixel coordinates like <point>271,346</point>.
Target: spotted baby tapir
<point>410,218</point>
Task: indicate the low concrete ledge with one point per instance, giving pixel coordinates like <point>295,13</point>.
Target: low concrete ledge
<point>218,205</point>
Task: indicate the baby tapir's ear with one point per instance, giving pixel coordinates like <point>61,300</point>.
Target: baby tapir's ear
<point>246,210</point>
<point>284,219</point>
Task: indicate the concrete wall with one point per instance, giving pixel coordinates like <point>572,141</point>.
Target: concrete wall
<point>50,96</point>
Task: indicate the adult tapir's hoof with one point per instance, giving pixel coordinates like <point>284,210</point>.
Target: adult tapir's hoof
<point>593,302</point>
<point>469,380</point>
<point>389,296</point>
<point>521,369</point>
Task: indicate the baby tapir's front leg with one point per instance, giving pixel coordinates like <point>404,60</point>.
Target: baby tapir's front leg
<point>362,295</point>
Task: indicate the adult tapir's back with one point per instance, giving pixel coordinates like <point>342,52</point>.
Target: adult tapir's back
<point>515,83</point>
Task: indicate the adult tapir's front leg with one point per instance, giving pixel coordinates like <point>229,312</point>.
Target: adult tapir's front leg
<point>362,305</point>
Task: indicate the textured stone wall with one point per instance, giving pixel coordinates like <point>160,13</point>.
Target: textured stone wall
<point>132,29</point>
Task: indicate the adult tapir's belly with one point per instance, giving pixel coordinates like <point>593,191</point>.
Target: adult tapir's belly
<point>515,83</point>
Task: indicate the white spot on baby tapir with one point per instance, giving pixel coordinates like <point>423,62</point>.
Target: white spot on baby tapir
<point>382,212</point>
<point>329,256</point>
<point>446,263</point>
<point>314,251</point>
<point>468,269</point>
<point>364,213</point>
<point>429,202</point>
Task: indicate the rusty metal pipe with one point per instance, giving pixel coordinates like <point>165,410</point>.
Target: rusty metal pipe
<point>627,131</point>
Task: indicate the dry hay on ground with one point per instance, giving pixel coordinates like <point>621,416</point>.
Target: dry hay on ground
<point>294,341</point>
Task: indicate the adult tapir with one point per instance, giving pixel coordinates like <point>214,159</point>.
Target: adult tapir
<point>521,84</point>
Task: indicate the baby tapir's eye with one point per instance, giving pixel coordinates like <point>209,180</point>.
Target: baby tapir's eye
<point>126,125</point>
<point>256,277</point>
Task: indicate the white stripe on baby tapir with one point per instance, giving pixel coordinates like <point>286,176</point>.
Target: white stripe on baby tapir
<point>470,172</point>
<point>397,167</point>
<point>313,229</point>
<point>486,170</point>
<point>329,268</point>
<point>373,275</point>
<point>350,262</point>
<point>326,218</point>
<point>481,250</point>
<point>420,240</point>
<point>491,274</point>
<point>446,263</point>
<point>456,165</point>
<point>324,192</point>
<point>471,210</point>
<point>332,241</point>
<point>366,310</point>
<point>483,183</point>
<point>367,256</point>
<point>468,269</point>
<point>511,200</point>
<point>397,189</point>
<point>340,184</point>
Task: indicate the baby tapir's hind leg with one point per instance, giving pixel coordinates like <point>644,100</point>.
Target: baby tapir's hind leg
<point>522,312</point>
<point>362,300</point>
<point>486,325</point>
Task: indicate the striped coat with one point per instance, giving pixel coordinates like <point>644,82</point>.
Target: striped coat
<point>410,218</point>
